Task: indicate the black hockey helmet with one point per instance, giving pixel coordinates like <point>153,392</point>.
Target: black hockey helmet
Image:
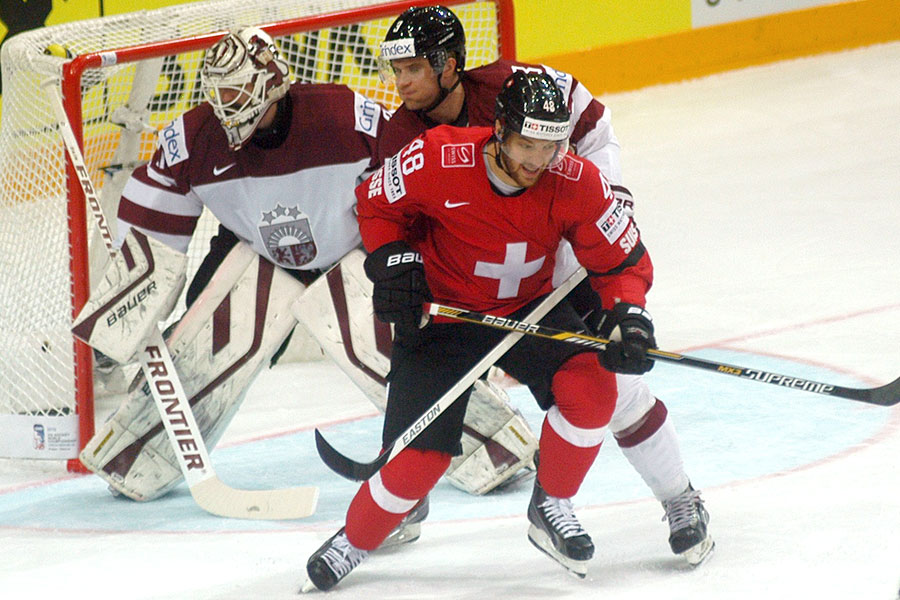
<point>532,105</point>
<point>433,32</point>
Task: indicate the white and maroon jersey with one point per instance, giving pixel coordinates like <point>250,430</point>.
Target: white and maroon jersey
<point>488,252</point>
<point>592,135</point>
<point>294,203</point>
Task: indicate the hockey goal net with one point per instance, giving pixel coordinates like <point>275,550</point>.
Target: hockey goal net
<point>122,79</point>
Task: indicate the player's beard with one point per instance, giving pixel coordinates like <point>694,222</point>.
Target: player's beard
<point>523,175</point>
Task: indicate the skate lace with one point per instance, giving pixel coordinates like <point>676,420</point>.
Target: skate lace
<point>342,557</point>
<point>683,510</point>
<point>561,514</point>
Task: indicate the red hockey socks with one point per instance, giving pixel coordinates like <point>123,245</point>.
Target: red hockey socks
<point>383,501</point>
<point>574,428</point>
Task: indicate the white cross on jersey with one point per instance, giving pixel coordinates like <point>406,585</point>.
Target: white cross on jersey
<point>513,270</point>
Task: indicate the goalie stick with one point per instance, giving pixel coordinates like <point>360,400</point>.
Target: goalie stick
<point>885,395</point>
<point>359,471</point>
<point>208,491</point>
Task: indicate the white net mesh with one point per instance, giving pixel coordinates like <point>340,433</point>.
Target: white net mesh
<point>123,105</point>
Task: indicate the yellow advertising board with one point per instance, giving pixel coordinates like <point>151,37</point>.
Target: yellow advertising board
<point>616,44</point>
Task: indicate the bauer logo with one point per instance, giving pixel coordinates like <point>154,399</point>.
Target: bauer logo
<point>366,114</point>
<point>172,142</point>
<point>394,187</point>
<point>613,222</point>
<point>544,130</point>
<point>458,155</point>
<point>118,313</point>
<point>402,48</point>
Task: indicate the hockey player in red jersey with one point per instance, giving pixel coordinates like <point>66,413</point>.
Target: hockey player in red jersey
<point>496,204</point>
<point>424,53</point>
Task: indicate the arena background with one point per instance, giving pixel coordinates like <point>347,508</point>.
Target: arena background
<point>616,45</point>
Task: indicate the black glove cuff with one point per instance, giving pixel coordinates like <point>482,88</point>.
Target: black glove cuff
<point>623,312</point>
<point>391,260</point>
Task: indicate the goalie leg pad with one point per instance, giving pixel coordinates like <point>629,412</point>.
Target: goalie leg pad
<point>219,346</point>
<point>497,442</point>
<point>337,311</point>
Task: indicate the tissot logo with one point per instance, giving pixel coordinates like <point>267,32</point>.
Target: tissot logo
<point>544,130</point>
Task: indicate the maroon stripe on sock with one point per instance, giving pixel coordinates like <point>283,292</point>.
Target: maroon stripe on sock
<point>654,419</point>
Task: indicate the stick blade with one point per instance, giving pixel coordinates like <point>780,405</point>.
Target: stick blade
<point>215,497</point>
<point>886,395</point>
<point>346,467</point>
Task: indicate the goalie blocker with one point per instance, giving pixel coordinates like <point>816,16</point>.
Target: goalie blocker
<point>337,311</point>
<point>230,332</point>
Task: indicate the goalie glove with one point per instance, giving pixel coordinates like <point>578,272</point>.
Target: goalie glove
<point>631,330</point>
<point>400,287</point>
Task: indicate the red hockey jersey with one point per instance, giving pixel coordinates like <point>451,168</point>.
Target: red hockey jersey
<point>488,252</point>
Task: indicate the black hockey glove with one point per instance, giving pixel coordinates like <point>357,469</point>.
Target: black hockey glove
<point>400,287</point>
<point>629,353</point>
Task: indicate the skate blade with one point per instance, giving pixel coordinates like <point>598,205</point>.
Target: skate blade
<point>700,553</point>
<point>405,534</point>
<point>541,541</point>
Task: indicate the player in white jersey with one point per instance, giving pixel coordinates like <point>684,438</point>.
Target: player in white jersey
<point>424,54</point>
<point>275,163</point>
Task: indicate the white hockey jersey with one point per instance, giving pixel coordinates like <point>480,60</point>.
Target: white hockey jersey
<point>294,203</point>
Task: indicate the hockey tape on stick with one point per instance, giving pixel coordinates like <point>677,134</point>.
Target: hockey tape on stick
<point>886,395</point>
<point>358,471</point>
<point>208,491</point>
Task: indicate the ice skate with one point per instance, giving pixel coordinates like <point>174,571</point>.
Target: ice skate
<point>409,528</point>
<point>332,562</point>
<point>687,523</point>
<point>556,532</point>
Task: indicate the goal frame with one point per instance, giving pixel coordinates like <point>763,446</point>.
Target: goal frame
<point>72,73</point>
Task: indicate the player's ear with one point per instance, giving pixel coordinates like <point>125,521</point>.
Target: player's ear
<point>498,129</point>
<point>447,73</point>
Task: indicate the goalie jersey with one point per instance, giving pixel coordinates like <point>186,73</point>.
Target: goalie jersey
<point>292,202</point>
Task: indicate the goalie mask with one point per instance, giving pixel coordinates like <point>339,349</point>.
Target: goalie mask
<point>242,76</point>
<point>431,32</point>
<point>531,105</point>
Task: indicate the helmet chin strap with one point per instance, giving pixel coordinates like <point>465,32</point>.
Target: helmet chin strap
<point>442,94</point>
<point>498,158</point>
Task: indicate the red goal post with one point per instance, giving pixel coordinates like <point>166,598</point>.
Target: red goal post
<point>122,79</point>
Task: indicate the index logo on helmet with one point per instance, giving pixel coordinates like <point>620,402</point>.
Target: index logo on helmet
<point>544,130</point>
<point>402,48</point>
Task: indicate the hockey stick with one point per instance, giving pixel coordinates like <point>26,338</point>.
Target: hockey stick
<point>358,471</point>
<point>208,491</point>
<point>886,395</point>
